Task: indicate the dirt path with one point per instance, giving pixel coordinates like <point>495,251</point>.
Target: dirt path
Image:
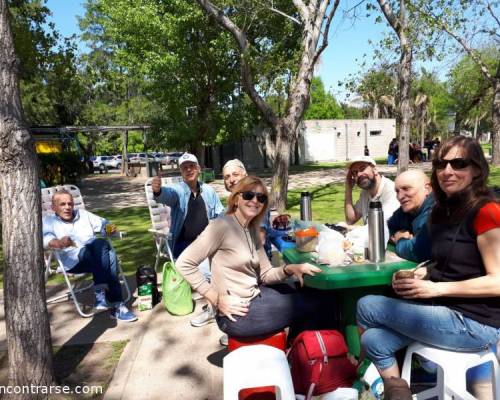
<point>112,190</point>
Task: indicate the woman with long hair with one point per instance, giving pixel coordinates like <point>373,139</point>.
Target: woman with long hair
<point>243,286</point>
<point>454,305</point>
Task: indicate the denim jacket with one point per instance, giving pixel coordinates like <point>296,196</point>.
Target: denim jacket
<point>418,248</point>
<point>176,196</point>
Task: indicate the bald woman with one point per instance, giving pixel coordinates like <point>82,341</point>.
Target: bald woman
<point>408,224</point>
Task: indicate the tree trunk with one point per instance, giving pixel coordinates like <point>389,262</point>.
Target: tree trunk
<point>279,184</point>
<point>495,135</point>
<point>28,333</point>
<point>404,92</point>
<point>124,153</point>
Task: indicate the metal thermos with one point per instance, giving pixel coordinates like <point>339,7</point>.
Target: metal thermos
<point>305,206</point>
<point>376,235</point>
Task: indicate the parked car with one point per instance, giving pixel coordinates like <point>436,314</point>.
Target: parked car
<point>141,157</point>
<point>100,163</point>
<point>161,157</point>
<point>173,158</point>
<point>115,162</point>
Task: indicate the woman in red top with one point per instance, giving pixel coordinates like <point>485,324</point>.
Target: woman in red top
<point>454,305</point>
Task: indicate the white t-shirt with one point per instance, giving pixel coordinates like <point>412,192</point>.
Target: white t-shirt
<point>385,194</point>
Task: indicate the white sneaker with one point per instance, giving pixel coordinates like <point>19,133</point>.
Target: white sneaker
<point>206,316</point>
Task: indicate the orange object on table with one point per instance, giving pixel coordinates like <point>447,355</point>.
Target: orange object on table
<point>306,239</point>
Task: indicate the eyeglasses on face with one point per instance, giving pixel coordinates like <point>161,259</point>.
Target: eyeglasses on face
<point>249,195</point>
<point>456,163</point>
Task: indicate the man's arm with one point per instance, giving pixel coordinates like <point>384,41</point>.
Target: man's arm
<point>165,195</point>
<point>62,243</point>
<point>352,215</point>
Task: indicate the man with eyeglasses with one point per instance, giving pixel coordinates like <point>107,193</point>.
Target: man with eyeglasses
<point>363,172</point>
<point>71,233</point>
<point>408,224</point>
<point>192,205</point>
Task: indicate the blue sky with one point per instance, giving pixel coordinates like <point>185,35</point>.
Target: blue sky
<point>348,42</point>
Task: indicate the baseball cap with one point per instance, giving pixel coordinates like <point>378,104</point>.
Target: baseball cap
<point>187,157</point>
<point>365,159</point>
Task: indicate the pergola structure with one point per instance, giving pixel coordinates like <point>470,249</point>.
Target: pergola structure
<point>66,133</point>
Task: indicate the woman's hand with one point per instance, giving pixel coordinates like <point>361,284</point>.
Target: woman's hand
<point>416,288</point>
<point>230,305</point>
<point>300,269</point>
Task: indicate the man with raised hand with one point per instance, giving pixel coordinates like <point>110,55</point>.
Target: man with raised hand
<point>71,233</point>
<point>363,172</point>
<point>192,204</point>
<point>408,224</point>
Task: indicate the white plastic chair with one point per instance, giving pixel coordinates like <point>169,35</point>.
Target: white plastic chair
<point>160,220</point>
<point>257,366</point>
<point>452,367</point>
<point>49,254</point>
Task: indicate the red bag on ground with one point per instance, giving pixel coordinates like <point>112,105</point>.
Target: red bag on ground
<point>319,363</point>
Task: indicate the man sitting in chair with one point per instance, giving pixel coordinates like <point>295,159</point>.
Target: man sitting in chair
<point>71,233</point>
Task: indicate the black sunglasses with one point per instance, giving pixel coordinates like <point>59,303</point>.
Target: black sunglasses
<point>456,163</point>
<point>249,195</point>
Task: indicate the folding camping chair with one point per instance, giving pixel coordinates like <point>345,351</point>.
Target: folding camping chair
<point>50,254</point>
<point>160,220</point>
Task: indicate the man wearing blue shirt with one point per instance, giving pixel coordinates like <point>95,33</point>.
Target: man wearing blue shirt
<point>408,224</point>
<point>192,204</point>
<point>71,233</point>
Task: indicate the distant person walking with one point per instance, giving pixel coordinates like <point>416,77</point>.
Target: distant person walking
<point>367,151</point>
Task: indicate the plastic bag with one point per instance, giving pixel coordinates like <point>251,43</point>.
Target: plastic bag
<point>331,248</point>
<point>176,291</point>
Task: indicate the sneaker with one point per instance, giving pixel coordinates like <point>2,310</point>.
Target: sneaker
<point>100,300</point>
<point>206,316</point>
<point>224,340</point>
<point>122,313</point>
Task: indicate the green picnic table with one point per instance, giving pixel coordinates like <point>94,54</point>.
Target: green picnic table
<point>352,282</point>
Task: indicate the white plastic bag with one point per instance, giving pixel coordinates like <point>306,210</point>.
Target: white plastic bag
<point>331,248</point>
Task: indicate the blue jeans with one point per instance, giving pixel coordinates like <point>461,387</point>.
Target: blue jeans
<point>277,307</point>
<point>99,259</point>
<point>391,324</point>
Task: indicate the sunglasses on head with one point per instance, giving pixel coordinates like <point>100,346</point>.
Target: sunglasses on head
<point>456,163</point>
<point>249,195</point>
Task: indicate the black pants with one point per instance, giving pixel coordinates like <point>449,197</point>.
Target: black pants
<point>280,306</point>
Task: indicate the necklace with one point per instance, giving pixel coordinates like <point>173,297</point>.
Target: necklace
<point>247,233</point>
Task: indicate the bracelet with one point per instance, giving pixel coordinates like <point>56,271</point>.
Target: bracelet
<point>285,271</point>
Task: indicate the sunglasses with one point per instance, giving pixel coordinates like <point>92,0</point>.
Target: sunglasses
<point>249,195</point>
<point>456,163</point>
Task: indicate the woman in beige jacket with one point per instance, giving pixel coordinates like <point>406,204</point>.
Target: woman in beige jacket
<point>244,285</point>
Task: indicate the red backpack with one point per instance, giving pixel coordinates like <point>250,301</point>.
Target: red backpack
<point>319,363</point>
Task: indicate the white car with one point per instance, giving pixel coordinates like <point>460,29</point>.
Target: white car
<point>115,162</point>
<point>100,163</point>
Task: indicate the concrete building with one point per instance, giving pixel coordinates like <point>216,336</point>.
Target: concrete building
<point>342,140</point>
<point>319,140</point>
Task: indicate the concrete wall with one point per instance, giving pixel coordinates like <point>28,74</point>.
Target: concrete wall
<point>319,140</point>
<point>340,140</point>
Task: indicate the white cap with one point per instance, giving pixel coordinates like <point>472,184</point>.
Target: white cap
<point>187,157</point>
<point>234,163</point>
<point>365,159</point>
